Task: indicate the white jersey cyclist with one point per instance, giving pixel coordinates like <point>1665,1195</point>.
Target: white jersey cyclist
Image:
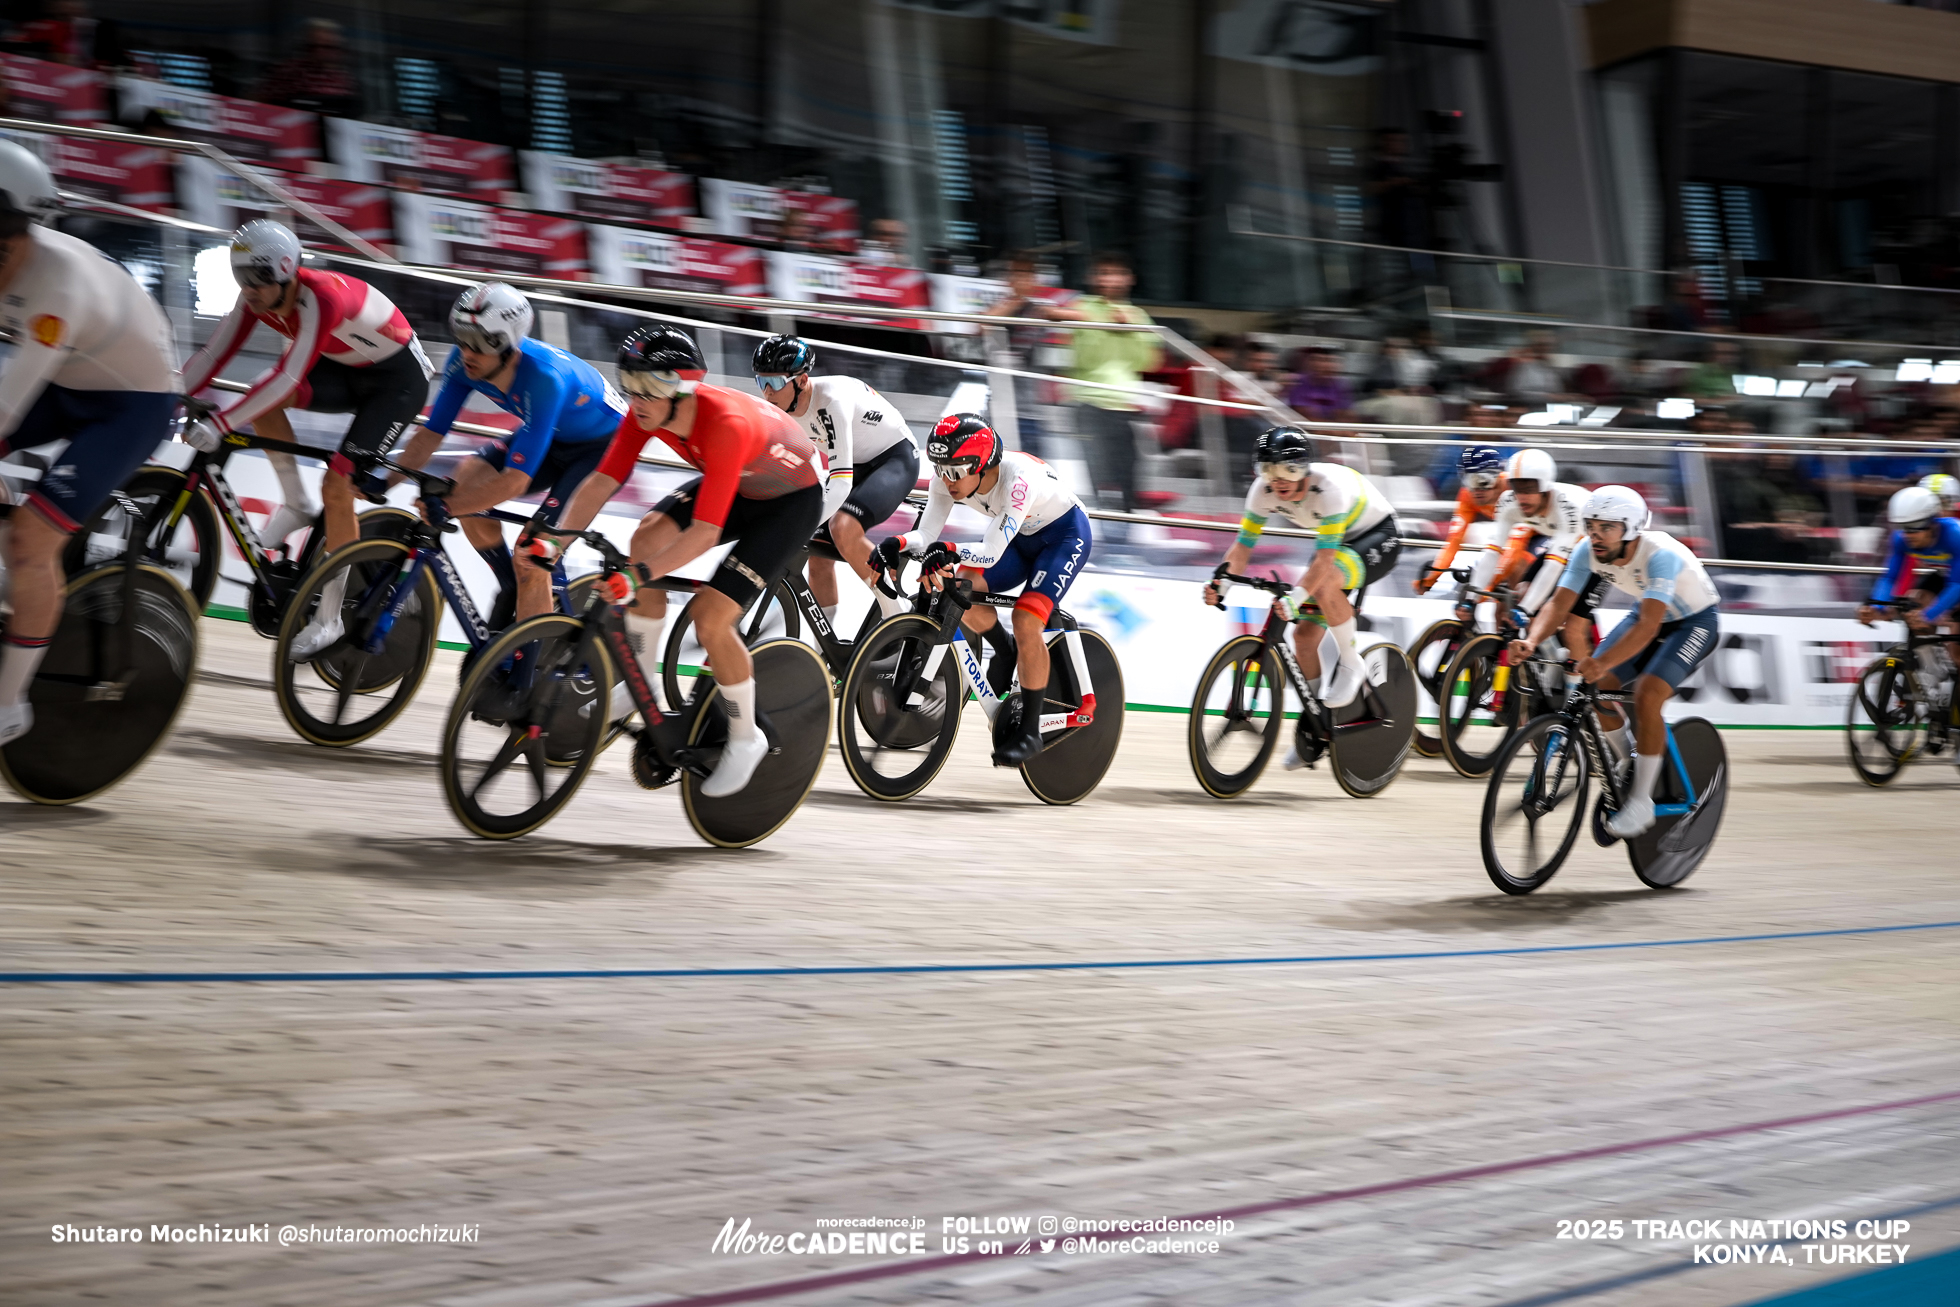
<point>1027,500</point>
<point>1339,504</point>
<point>854,426</point>
<point>1559,523</point>
<point>1660,567</point>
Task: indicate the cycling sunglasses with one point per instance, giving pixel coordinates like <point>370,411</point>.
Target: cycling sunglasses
<point>478,341</point>
<point>1481,480</point>
<point>650,385</point>
<point>253,277</point>
<point>955,471</point>
<point>772,380</point>
<point>1284,471</point>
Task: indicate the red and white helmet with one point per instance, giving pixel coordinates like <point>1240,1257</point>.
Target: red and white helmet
<point>962,444</point>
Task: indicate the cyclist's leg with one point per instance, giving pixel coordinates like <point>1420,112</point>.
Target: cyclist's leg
<point>1331,577</point>
<point>1060,552</point>
<point>646,619</point>
<point>560,473</point>
<point>296,504</point>
<point>384,398</point>
<point>1655,675</point>
<point>880,488</point>
<point>823,579</point>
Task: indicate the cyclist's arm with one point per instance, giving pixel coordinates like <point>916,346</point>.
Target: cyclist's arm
<point>1001,530</point>
<point>1556,553</point>
<point>1888,581</point>
<point>843,459</point>
<point>1551,616</point>
<point>450,399</point>
<point>280,382</point>
<point>1517,552</point>
<point>225,341</point>
<point>586,501</point>
<point>1647,624</point>
<point>1466,511</point>
<point>25,375</point>
<point>939,506</point>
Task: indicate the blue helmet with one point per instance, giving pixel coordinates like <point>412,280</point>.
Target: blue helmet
<point>1480,458</point>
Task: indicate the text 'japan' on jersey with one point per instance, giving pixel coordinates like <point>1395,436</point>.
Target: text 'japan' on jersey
<point>557,398</point>
<point>1661,568</point>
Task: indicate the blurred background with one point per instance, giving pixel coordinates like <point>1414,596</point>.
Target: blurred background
<point>1710,248</point>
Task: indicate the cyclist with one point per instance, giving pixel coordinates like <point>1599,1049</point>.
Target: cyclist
<point>1921,564</point>
<point>1538,529</point>
<point>568,415</point>
<point>89,360</point>
<point>1480,473</point>
<point>1947,487</point>
<point>351,351</point>
<point>758,487</point>
<point>1672,629</point>
<point>1355,546</point>
<point>1038,539</point>
<point>873,461</point>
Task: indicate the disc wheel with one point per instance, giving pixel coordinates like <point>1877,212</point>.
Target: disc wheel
<point>1373,735</point>
<point>773,618</point>
<point>348,694</point>
<point>190,551</point>
<point>1472,730</point>
<point>1072,764</point>
<point>1674,846</point>
<point>1430,655</point>
<point>1886,721</point>
<point>106,692</point>
<point>1534,804</point>
<point>1236,717</point>
<point>793,701</point>
<point>517,746</point>
<point>892,750</point>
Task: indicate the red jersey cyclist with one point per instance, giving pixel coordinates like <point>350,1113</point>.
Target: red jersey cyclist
<point>758,487</point>
<point>1480,473</point>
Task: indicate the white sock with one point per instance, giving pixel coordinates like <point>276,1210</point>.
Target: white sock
<point>1646,770</point>
<point>331,595</point>
<point>1344,640</point>
<point>291,488</point>
<point>830,615</point>
<point>1621,740</point>
<point>890,605</point>
<point>18,663</point>
<point>738,701</point>
<point>647,635</point>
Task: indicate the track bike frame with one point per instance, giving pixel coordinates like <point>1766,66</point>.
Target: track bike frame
<point>1273,634</point>
<point>959,594</point>
<point>1581,709</point>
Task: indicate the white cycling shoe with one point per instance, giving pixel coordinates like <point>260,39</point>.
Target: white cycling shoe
<point>1293,761</point>
<point>1636,818</point>
<point>287,519</point>
<point>16,720</point>
<point>315,640</point>
<point>622,705</point>
<point>1344,686</point>
<point>739,759</point>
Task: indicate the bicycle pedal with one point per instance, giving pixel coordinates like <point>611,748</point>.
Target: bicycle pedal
<point>106,692</point>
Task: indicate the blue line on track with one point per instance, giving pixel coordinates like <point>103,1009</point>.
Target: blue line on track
<point>947,968</point>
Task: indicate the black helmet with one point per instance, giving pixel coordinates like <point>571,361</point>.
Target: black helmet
<point>1286,451</point>
<point>783,356</point>
<point>661,348</point>
<point>961,444</point>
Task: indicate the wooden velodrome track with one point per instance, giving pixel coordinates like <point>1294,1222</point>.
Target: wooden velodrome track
<point>599,1129</point>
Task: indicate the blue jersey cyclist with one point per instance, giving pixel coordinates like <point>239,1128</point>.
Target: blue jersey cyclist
<point>1671,631</point>
<point>1038,539</point>
<point>568,414</point>
<point>1920,567</point>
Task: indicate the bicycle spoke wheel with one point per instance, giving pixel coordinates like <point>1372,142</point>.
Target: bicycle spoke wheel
<point>526,726</point>
<point>107,690</point>
<point>1535,804</point>
<point>1475,722</point>
<point>793,701</point>
<point>1373,735</point>
<point>893,747</point>
<point>355,687</point>
<point>1886,721</point>
<point>1430,655</point>
<point>774,618</point>
<point>1236,717</point>
<point>1674,846</point>
<point>1071,764</point>
<point>190,550</point>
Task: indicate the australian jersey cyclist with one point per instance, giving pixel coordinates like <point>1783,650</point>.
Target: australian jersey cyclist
<point>1921,565</point>
<point>1674,626</point>
<point>567,415</point>
<point>1355,546</point>
<point>1037,538</point>
<point>758,487</point>
<point>873,461</point>
<point>350,350</point>
<point>88,359</point>
<point>1480,476</point>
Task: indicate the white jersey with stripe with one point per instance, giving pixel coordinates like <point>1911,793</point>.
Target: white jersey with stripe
<point>1028,497</point>
<point>1339,503</point>
<point>1562,520</point>
<point>74,317</point>
<point>852,424</point>
<point>1661,567</point>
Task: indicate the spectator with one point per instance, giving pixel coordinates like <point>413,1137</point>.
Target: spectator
<point>1769,512</point>
<point>887,244</point>
<point>1026,297</point>
<point>1401,395</point>
<point>1321,393</point>
<point>795,232</point>
<point>1714,377</point>
<point>317,78</point>
<point>1532,379</point>
<point>67,34</point>
<point>1105,418</point>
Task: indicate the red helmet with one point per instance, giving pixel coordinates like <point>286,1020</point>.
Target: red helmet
<point>962,444</point>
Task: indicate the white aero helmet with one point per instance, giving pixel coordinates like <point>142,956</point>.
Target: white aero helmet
<point>264,253</point>
<point>27,193</point>
<point>490,318</point>
<point>1532,465</point>
<point>1617,504</point>
<point>1913,506</point>
<point>1946,486</point>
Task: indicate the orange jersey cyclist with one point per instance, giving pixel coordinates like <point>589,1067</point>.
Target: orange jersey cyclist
<point>758,487</point>
<point>1480,474</point>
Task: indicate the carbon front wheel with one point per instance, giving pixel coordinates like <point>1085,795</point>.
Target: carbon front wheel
<point>355,687</point>
<point>894,747</point>
<point>1431,655</point>
<point>1886,721</point>
<point>1482,703</point>
<point>1535,804</point>
<point>1236,717</point>
<point>190,549</point>
<point>773,617</point>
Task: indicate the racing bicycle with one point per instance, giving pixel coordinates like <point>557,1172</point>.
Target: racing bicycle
<point>1536,801</point>
<point>1902,707</point>
<point>531,715</point>
<point>1241,703</point>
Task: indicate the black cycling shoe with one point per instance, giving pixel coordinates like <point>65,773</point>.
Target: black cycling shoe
<point>1023,747</point>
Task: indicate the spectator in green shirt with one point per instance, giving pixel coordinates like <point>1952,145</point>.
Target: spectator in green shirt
<point>1104,418</point>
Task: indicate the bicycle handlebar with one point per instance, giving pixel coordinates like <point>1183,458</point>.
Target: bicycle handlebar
<point>431,485</point>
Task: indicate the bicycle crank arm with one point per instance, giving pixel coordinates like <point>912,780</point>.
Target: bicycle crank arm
<point>106,691</point>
